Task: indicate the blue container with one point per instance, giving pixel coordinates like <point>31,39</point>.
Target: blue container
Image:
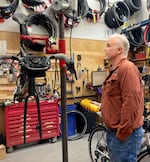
<point>71,120</point>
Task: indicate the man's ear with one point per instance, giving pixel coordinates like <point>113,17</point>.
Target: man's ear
<point>120,50</point>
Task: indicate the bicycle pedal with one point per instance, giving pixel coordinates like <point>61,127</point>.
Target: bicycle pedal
<point>102,148</point>
<point>97,154</point>
<point>103,159</point>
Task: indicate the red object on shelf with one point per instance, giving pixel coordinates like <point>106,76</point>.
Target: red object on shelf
<point>140,55</point>
<point>2,20</point>
<point>14,122</point>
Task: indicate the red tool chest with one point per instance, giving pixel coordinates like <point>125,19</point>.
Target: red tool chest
<point>14,122</point>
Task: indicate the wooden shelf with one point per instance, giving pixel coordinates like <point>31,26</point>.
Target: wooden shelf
<point>141,59</point>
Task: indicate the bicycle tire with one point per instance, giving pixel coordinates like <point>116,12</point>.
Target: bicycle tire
<point>98,145</point>
<point>144,156</point>
<point>77,134</point>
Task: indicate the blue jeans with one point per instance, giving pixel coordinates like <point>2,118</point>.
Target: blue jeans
<point>124,151</point>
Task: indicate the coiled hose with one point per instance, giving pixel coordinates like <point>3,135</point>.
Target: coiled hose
<point>116,15</point>
<point>32,2</point>
<point>147,34</point>
<point>7,11</point>
<point>135,37</point>
<point>134,5</point>
<point>35,4</point>
<point>148,5</point>
<point>81,13</point>
<point>44,21</point>
<point>102,7</point>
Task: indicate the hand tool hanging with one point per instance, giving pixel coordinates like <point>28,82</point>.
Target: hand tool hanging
<point>56,84</point>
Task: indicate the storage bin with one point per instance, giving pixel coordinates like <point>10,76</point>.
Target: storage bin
<point>140,55</point>
<point>91,119</point>
<point>71,119</point>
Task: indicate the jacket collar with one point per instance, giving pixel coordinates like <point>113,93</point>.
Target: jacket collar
<point>114,67</point>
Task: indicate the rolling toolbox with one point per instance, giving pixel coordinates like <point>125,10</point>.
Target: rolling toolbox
<point>14,122</point>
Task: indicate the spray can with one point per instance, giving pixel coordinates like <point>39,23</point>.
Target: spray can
<point>144,70</point>
<point>148,50</point>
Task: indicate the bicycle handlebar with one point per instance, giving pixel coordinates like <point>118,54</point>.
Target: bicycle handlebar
<point>60,56</point>
<point>69,63</point>
<point>6,57</point>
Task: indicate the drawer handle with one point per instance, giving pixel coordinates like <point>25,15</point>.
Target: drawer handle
<point>28,130</point>
<point>26,136</point>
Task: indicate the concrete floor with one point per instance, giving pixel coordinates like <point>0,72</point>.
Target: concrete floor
<point>51,152</point>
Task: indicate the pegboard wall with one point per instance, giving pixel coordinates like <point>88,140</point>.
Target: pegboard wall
<point>88,56</point>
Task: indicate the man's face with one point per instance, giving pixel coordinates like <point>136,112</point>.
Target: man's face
<point>111,50</point>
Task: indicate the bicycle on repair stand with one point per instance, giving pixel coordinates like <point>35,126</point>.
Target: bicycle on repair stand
<point>32,66</point>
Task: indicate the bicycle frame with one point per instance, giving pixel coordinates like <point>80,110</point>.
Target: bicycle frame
<point>100,151</point>
<point>146,140</point>
<point>146,137</point>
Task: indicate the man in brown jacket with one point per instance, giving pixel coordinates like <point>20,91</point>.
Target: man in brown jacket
<point>122,102</point>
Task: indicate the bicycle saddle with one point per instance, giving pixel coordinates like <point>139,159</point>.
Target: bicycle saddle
<point>20,18</point>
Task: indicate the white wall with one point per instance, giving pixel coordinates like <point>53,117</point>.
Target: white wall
<point>97,31</point>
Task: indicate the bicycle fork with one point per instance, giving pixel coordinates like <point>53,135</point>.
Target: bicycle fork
<point>39,126</point>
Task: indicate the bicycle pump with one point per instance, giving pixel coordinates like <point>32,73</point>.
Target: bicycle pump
<point>61,6</point>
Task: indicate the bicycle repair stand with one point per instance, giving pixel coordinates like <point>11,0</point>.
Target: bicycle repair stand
<point>32,73</point>
<point>59,7</point>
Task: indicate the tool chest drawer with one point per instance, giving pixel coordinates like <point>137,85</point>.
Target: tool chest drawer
<point>14,122</point>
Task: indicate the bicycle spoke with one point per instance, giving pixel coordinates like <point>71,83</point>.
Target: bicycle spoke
<point>98,146</point>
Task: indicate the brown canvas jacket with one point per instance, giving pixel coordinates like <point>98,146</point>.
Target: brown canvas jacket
<point>123,100</point>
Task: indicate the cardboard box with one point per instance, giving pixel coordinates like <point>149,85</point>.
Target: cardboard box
<point>2,152</point>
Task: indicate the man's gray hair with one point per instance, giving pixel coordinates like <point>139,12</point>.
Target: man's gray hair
<point>122,41</point>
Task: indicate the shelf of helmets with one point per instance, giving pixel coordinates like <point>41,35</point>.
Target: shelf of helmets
<point>143,64</point>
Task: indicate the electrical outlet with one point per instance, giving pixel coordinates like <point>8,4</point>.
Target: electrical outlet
<point>78,57</point>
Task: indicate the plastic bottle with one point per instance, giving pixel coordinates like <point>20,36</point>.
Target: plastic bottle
<point>148,50</point>
<point>144,68</point>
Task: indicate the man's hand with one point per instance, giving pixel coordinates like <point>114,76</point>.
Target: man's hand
<point>96,103</point>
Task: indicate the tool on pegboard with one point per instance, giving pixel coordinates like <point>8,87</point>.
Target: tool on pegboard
<point>79,67</point>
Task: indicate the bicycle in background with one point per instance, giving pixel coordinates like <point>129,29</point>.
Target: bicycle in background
<point>98,147</point>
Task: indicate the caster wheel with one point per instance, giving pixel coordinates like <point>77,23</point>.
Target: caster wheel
<point>54,139</point>
<point>9,149</point>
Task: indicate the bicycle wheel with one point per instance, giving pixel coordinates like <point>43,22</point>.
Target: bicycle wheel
<point>144,156</point>
<point>97,144</point>
<point>78,116</point>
